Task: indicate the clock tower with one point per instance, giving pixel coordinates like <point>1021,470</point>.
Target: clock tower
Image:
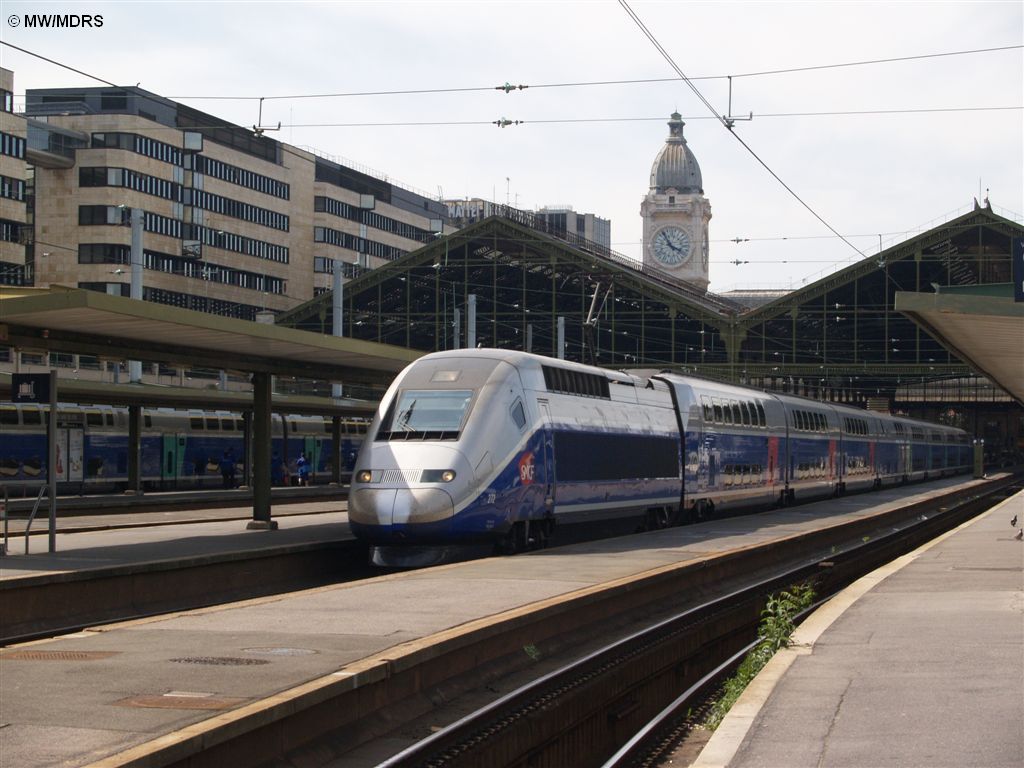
<point>675,212</point>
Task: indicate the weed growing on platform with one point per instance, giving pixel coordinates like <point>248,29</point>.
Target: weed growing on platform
<point>774,632</point>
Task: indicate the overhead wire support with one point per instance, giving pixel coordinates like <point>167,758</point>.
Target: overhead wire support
<point>725,123</point>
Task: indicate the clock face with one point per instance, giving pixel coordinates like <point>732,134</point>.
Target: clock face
<point>671,246</point>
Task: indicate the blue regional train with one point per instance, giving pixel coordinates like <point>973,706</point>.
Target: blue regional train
<point>179,449</point>
<point>498,446</point>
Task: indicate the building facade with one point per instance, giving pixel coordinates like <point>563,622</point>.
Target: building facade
<point>235,222</point>
<point>13,209</point>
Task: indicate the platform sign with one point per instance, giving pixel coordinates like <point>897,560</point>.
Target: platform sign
<point>30,387</point>
<point>1017,268</point>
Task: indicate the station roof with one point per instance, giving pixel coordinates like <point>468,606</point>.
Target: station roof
<point>114,327</point>
<point>981,325</point>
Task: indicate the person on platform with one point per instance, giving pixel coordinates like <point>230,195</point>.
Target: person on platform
<point>227,470</point>
<point>277,470</point>
<point>302,467</point>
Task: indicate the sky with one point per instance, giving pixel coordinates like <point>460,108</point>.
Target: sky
<point>917,141</point>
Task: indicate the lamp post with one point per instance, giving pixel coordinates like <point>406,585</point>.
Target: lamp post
<point>136,219</point>
<point>337,305</point>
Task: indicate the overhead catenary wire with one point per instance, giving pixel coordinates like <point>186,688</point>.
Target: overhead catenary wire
<point>508,88</point>
<point>727,124</point>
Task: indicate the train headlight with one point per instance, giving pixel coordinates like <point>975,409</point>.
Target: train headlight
<point>364,476</point>
<point>438,475</point>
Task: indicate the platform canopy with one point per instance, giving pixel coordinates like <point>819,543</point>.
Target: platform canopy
<point>981,325</point>
<point>114,327</point>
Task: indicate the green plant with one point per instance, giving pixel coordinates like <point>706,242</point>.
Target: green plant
<point>774,632</point>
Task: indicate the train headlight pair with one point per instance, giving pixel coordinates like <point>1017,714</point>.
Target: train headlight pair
<point>438,475</point>
<point>428,476</point>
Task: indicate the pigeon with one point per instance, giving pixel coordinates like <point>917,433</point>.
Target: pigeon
<point>1013,523</point>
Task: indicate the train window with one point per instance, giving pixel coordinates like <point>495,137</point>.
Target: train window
<point>31,416</point>
<point>240,425</point>
<point>745,413</point>
<point>760,415</point>
<point>718,412</point>
<point>195,422</point>
<point>709,413</point>
<point>8,415</point>
<point>94,418</point>
<point>108,419</point>
<point>148,420</point>
<point>726,413</point>
<point>212,423</point>
<point>426,414</point>
<point>736,418</point>
<point>227,424</point>
<point>518,414</point>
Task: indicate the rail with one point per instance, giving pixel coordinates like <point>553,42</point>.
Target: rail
<point>617,693</point>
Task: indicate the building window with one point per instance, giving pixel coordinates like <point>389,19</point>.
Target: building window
<point>12,146</point>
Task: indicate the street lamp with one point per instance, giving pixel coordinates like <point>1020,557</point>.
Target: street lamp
<point>136,219</point>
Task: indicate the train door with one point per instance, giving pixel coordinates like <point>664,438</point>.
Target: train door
<point>311,447</point>
<point>173,456</point>
<point>549,457</point>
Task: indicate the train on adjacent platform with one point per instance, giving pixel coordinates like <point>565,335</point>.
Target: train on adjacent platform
<point>497,446</point>
<point>180,449</point>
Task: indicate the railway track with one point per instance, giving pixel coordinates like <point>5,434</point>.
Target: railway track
<point>627,704</point>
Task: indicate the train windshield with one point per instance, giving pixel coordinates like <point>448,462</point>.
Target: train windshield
<point>426,414</point>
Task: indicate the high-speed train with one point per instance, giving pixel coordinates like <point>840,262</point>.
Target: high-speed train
<point>180,449</point>
<point>487,445</point>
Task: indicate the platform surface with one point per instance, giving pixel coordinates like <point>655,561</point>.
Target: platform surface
<point>919,664</point>
<point>74,699</point>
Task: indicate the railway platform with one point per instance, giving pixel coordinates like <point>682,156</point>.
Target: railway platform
<point>917,664</point>
<point>200,686</point>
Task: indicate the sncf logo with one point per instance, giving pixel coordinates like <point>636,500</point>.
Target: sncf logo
<point>526,468</point>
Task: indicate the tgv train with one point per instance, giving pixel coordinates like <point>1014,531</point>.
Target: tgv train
<point>497,446</point>
<point>179,449</point>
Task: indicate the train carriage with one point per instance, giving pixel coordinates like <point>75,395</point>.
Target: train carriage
<point>498,446</point>
<point>178,449</point>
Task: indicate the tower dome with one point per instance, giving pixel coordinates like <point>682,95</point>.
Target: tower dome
<point>675,167</point>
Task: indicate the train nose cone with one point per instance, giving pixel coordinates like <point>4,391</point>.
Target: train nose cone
<point>399,506</point>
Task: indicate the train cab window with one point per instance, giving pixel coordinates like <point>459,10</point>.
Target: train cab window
<point>8,415</point>
<point>195,422</point>
<point>212,423</point>
<point>31,416</point>
<point>426,415</point>
<point>518,414</point>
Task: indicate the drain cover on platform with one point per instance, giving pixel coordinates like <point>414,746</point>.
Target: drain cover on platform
<point>221,661</point>
<point>27,655</point>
